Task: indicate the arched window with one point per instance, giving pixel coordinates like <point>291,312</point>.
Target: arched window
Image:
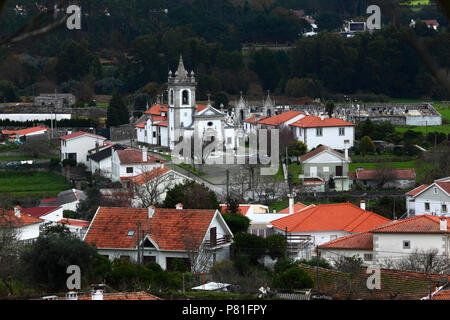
<point>185,97</point>
<point>269,113</point>
<point>171,97</point>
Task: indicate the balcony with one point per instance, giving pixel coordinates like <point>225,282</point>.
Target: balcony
<point>218,242</point>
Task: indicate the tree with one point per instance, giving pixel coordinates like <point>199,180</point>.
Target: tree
<point>221,98</point>
<point>293,279</point>
<point>419,260</point>
<point>9,249</point>
<point>192,195</point>
<point>86,208</point>
<point>297,149</point>
<point>352,280</point>
<point>8,92</point>
<point>249,246</point>
<point>366,145</point>
<point>236,222</point>
<point>46,260</point>
<point>384,174</point>
<point>329,108</point>
<point>276,245</point>
<point>117,112</point>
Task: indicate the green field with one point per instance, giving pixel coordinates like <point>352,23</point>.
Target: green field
<point>32,184</point>
<point>23,158</point>
<point>443,109</point>
<point>445,128</point>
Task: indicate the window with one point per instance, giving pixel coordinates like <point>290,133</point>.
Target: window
<point>444,208</point>
<point>185,97</point>
<point>229,140</point>
<point>342,131</point>
<point>406,244</point>
<point>368,257</point>
<point>210,123</point>
<point>129,169</point>
<point>130,233</point>
<point>427,206</point>
<point>318,132</point>
<point>154,134</point>
<point>326,169</point>
<point>171,97</point>
<point>435,190</point>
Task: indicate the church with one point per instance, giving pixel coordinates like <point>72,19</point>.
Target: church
<point>182,117</point>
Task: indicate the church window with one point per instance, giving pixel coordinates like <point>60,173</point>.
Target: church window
<point>210,124</point>
<point>171,97</point>
<point>185,96</point>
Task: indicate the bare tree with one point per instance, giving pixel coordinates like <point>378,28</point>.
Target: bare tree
<point>269,189</point>
<point>425,261</point>
<point>384,174</point>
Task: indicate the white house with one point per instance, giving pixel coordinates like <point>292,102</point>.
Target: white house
<point>162,235</point>
<point>21,135</point>
<point>131,162</point>
<point>77,145</point>
<point>49,214</point>
<point>281,120</point>
<point>402,178</point>
<point>335,133</point>
<point>320,224</point>
<point>393,241</point>
<point>68,200</point>
<point>431,199</point>
<point>101,161</point>
<point>27,227</point>
<point>76,226</point>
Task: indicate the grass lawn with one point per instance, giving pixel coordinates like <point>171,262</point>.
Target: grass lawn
<point>443,109</point>
<point>32,184</point>
<point>22,158</point>
<point>294,169</point>
<point>445,128</point>
<point>373,165</point>
<point>361,158</point>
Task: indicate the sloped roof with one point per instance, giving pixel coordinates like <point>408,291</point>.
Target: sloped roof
<point>254,118</point>
<point>157,109</point>
<point>38,212</point>
<point>128,156</point>
<point>419,224</point>
<point>79,134</point>
<point>417,190</point>
<point>357,241</point>
<point>147,176</point>
<point>7,216</point>
<point>168,228</point>
<point>317,122</point>
<point>324,217</point>
<point>106,153</point>
<point>24,132</point>
<point>140,125</point>
<point>75,222</point>
<point>297,207</point>
<point>124,296</point>
<point>242,209</point>
<point>445,185</point>
<point>373,174</point>
<point>280,118</point>
<point>320,150</point>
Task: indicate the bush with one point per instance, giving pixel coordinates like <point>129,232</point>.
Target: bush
<point>69,162</point>
<point>293,279</point>
<point>236,222</point>
<point>313,262</point>
<point>79,104</point>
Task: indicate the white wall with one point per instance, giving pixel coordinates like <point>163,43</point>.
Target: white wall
<point>330,137</point>
<point>81,146</point>
<point>29,232</point>
<point>331,255</point>
<point>33,116</point>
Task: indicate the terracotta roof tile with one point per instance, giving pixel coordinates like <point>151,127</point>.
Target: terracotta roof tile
<point>167,227</point>
<point>147,176</point>
<point>7,216</point>
<point>297,207</point>
<point>372,174</point>
<point>444,185</point>
<point>320,150</point>
<point>416,190</point>
<point>419,224</point>
<point>281,118</point>
<point>79,134</point>
<point>357,241</point>
<point>24,132</point>
<point>242,209</point>
<point>124,296</point>
<point>315,122</point>
<point>338,216</point>
<point>135,156</point>
<point>75,222</point>
<point>157,109</point>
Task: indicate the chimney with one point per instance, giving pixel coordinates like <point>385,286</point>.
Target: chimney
<point>97,147</point>
<point>291,202</point>
<point>144,154</point>
<point>97,294</point>
<point>72,295</point>
<point>179,206</point>
<point>17,211</point>
<point>443,224</point>
<point>321,117</point>
<point>151,211</point>
<point>363,204</point>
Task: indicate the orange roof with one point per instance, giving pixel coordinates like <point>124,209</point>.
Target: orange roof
<point>280,118</point>
<point>242,209</point>
<point>314,122</point>
<point>161,123</point>
<point>407,173</point>
<point>167,227</point>
<point>319,150</point>
<point>324,217</point>
<point>441,295</point>
<point>432,22</point>
<point>135,156</point>
<point>79,134</point>
<point>357,241</point>
<point>124,296</point>
<point>417,190</point>
<point>147,176</point>
<point>75,222</point>
<point>24,132</point>
<point>8,217</point>
<point>140,125</point>
<point>297,207</point>
<point>201,107</point>
<point>254,119</point>
<point>444,185</point>
<point>419,224</point>
<point>157,109</point>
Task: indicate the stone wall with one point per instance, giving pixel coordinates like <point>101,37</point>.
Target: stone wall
<point>123,132</point>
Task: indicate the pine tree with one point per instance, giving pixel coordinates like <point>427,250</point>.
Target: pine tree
<point>117,112</point>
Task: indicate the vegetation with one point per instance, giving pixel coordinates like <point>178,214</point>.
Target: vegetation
<point>192,195</point>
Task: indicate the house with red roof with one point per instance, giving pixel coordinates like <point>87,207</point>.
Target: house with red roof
<point>50,214</point>
<point>393,241</point>
<point>333,132</point>
<point>387,178</point>
<point>21,135</point>
<point>130,163</point>
<point>323,223</point>
<point>200,237</point>
<point>76,145</point>
<point>27,227</point>
<point>280,120</point>
<point>431,199</point>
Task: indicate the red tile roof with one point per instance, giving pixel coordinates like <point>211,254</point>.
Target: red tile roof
<point>124,296</point>
<point>416,190</point>
<point>24,132</point>
<point>161,123</point>
<point>419,224</point>
<point>167,227</point>
<point>242,209</point>
<point>201,107</point>
<point>357,241</point>
<point>140,125</point>
<point>324,217</point>
<point>314,122</point>
<point>281,118</point>
<point>432,22</point>
<point>75,222</point>
<point>147,176</point>
<point>407,173</point>
<point>320,150</point>
<point>444,185</point>
<point>157,109</point>
<point>79,134</point>
<point>297,207</point>
<point>135,156</point>
<point>47,200</point>
<point>254,119</point>
<point>441,295</point>
<point>7,216</point>
<point>38,211</point>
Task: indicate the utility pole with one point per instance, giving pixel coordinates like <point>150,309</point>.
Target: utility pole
<point>228,183</point>
<point>317,268</point>
<point>394,208</point>
<point>138,243</point>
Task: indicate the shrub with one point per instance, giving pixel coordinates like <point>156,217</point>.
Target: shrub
<point>293,279</point>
